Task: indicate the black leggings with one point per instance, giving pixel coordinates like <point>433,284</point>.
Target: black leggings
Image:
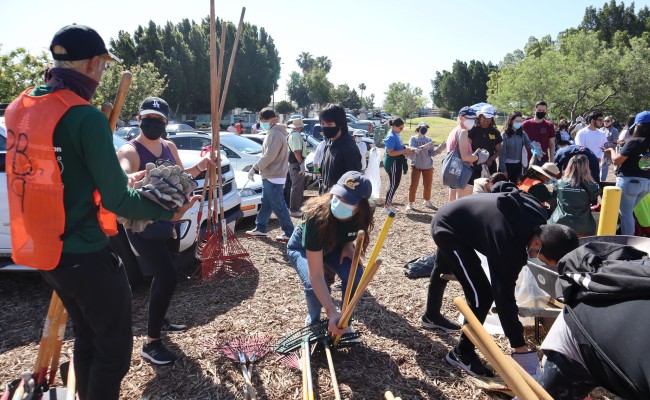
<point>160,260</point>
<point>395,176</point>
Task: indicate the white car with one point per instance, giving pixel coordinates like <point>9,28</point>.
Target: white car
<point>241,152</point>
<point>250,193</point>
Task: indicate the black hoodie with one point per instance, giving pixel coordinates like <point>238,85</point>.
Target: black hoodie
<point>341,155</point>
<point>499,226</point>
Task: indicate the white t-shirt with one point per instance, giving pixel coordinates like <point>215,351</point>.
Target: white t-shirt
<point>561,340</point>
<point>319,154</point>
<point>232,129</point>
<point>593,140</point>
<point>362,149</point>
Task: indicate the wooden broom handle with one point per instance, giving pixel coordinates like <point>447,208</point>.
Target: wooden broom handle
<point>120,97</point>
<point>358,245</point>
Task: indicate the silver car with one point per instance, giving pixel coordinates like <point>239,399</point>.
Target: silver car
<point>242,152</point>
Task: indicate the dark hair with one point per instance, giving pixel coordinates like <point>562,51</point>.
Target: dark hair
<point>498,177</point>
<point>641,130</point>
<point>334,113</point>
<point>319,209</point>
<point>530,173</point>
<point>396,122</point>
<point>563,124</point>
<point>267,113</point>
<point>493,123</point>
<point>630,121</point>
<point>557,240</point>
<point>594,115</point>
<point>507,128</point>
<point>541,103</point>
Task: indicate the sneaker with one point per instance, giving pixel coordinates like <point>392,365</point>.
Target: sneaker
<point>157,353</point>
<point>256,233</point>
<point>296,214</point>
<point>282,238</point>
<point>441,323</point>
<point>409,206</point>
<point>168,327</point>
<point>471,363</point>
<point>430,205</point>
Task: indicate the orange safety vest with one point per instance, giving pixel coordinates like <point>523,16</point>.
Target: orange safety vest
<point>34,185</point>
<point>528,183</point>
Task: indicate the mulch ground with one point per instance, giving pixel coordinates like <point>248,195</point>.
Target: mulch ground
<point>396,353</point>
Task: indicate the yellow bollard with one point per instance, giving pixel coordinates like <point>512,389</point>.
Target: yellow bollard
<point>609,211</point>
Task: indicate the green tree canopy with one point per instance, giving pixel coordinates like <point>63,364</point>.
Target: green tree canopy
<point>283,107</point>
<point>463,85</point>
<point>19,70</point>
<point>402,99</point>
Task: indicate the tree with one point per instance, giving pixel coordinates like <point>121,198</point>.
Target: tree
<point>613,18</point>
<point>341,93</point>
<point>146,82</point>
<point>368,102</point>
<point>297,90</point>
<point>362,87</point>
<point>305,61</point>
<point>324,63</point>
<point>403,100</point>
<point>462,86</point>
<point>283,107</point>
<point>318,86</point>
<point>20,70</point>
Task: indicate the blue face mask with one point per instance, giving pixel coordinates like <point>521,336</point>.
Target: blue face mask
<point>265,125</point>
<point>340,209</point>
<point>516,125</point>
<point>423,131</point>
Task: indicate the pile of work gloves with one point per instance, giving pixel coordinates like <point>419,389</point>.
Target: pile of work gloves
<point>483,156</point>
<point>166,185</point>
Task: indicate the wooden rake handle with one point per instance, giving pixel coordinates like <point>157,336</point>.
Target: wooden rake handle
<point>120,97</point>
<point>358,245</point>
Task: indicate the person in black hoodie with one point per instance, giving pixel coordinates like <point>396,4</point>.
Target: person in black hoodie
<point>341,151</point>
<point>506,228</point>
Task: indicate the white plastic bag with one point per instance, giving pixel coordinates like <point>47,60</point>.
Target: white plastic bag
<point>528,292</point>
<point>372,173</point>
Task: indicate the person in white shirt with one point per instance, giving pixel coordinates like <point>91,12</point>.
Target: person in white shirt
<point>232,128</point>
<point>358,139</point>
<point>593,138</point>
<point>578,125</point>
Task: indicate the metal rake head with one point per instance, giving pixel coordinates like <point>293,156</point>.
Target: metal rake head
<point>315,331</point>
<point>253,348</point>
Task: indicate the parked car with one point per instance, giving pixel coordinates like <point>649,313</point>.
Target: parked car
<point>366,124</point>
<point>256,137</point>
<point>241,151</point>
<point>128,132</point>
<point>171,128</point>
<point>250,193</point>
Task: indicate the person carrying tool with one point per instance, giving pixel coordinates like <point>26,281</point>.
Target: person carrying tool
<point>325,240</point>
<point>506,228</point>
<point>68,241</point>
<point>154,242</point>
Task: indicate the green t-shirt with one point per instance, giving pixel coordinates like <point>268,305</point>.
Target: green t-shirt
<point>83,144</point>
<point>297,143</point>
<point>346,232</point>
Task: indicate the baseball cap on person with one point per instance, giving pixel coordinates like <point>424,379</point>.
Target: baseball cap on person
<point>352,187</point>
<point>155,105</point>
<point>641,118</point>
<point>467,112</point>
<point>80,43</point>
<point>421,124</point>
<point>487,111</point>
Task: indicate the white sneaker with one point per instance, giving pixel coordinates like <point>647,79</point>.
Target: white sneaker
<point>256,233</point>
<point>430,205</point>
<point>409,206</point>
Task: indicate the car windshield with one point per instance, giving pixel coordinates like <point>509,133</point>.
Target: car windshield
<point>178,128</point>
<point>241,144</point>
<point>118,141</point>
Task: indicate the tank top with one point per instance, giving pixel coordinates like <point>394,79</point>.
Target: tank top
<point>148,157</point>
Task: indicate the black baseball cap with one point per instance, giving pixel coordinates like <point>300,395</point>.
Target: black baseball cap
<point>80,42</point>
<point>353,187</point>
<point>155,105</point>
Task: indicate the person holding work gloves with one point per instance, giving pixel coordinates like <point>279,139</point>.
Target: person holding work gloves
<point>422,164</point>
<point>484,135</point>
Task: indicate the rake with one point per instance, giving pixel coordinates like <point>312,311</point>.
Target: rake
<point>315,332</point>
<point>246,351</point>
<point>222,254</point>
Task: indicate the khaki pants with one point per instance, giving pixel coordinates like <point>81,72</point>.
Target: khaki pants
<point>427,178</point>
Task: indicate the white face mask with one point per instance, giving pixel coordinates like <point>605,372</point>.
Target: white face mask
<point>468,123</point>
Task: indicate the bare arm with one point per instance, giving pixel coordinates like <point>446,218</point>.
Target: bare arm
<point>317,280</point>
<point>551,149</point>
<point>462,147</point>
<point>617,158</point>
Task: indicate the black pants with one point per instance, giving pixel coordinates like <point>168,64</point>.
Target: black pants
<point>564,378</point>
<point>165,278</point>
<point>95,291</point>
<point>437,286</point>
<point>466,266</point>
<point>514,172</point>
<point>395,176</point>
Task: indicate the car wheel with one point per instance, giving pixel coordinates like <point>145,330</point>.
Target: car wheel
<point>120,245</point>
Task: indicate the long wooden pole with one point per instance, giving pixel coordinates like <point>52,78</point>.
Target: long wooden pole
<point>330,363</point>
<point>358,245</point>
<point>120,97</point>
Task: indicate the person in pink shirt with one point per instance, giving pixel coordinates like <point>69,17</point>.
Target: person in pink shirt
<point>466,119</point>
<point>542,131</point>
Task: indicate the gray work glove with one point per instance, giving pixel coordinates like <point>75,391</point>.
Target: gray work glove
<point>251,174</point>
<point>528,361</point>
<point>482,155</point>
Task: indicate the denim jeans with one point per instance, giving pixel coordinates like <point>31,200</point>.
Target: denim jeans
<point>564,378</point>
<point>634,190</point>
<point>273,201</point>
<point>604,169</point>
<point>298,259</point>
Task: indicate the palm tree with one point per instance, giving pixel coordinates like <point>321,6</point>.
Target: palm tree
<point>324,63</point>
<point>305,61</point>
<point>362,87</point>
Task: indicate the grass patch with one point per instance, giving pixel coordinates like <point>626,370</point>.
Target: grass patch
<point>438,132</point>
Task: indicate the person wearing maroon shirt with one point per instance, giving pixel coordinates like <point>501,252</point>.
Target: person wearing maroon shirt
<point>542,131</point>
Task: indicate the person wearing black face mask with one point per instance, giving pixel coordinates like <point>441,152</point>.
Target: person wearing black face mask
<point>341,152</point>
<point>153,243</point>
<point>541,131</point>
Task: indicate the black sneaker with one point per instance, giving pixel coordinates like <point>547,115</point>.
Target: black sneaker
<point>471,363</point>
<point>441,323</point>
<point>168,327</point>
<point>157,353</point>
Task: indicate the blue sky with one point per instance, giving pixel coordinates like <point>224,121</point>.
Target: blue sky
<point>371,41</point>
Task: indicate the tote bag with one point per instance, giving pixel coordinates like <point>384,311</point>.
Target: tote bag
<point>455,172</point>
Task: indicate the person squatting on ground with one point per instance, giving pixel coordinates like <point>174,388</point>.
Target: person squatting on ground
<point>421,164</point>
<point>593,138</point>
<point>273,167</point>
<point>566,151</point>
<point>153,243</point>
<point>458,137</point>
<point>484,185</point>
<point>514,139</point>
<point>506,228</point>
<point>297,155</point>
<point>394,160</point>
<point>89,278</point>
<point>324,240</point>
<point>341,153</point>
<point>534,182</point>
<point>633,170</point>
<point>541,131</point>
<point>485,135</point>
<point>576,192</point>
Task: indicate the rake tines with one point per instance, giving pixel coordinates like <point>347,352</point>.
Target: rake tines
<point>224,258</point>
<point>314,331</point>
